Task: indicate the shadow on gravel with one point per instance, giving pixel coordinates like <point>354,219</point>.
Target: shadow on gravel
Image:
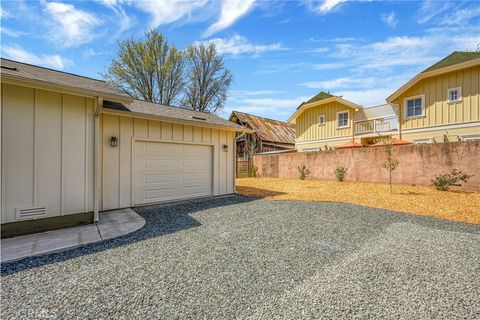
<point>160,220</point>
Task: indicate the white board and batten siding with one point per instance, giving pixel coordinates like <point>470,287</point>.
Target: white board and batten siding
<point>160,161</point>
<point>47,153</point>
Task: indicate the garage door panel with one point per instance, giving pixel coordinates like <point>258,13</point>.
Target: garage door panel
<point>196,191</point>
<point>159,163</point>
<point>169,171</point>
<point>159,178</point>
<point>159,193</point>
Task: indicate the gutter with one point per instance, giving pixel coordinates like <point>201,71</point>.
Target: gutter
<point>96,156</point>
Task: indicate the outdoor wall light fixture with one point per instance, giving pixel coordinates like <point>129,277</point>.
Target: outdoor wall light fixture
<point>114,142</point>
<point>225,148</point>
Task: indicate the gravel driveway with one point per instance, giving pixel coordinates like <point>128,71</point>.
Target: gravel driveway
<point>237,257</point>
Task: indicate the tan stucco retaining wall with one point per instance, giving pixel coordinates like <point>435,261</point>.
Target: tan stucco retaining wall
<point>418,163</point>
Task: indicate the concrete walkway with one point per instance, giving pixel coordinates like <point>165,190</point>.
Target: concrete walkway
<point>112,224</point>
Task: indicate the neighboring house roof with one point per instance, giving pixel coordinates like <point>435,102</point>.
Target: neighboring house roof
<point>321,99</point>
<point>320,96</point>
<point>113,98</point>
<point>454,58</point>
<point>377,112</point>
<point>267,129</point>
<point>22,71</point>
<point>173,113</point>
<point>456,61</point>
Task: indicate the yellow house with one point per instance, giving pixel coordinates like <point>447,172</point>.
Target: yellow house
<point>325,121</point>
<point>440,104</point>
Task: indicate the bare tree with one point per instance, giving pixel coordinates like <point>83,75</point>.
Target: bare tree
<point>208,79</point>
<point>391,163</point>
<point>150,69</point>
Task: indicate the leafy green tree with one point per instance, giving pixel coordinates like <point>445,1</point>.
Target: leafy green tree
<point>149,69</point>
<point>208,79</point>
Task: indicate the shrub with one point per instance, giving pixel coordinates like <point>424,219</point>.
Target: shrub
<point>303,172</point>
<point>443,182</point>
<point>340,173</point>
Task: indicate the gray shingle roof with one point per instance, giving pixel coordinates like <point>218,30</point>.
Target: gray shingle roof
<point>58,78</point>
<point>75,82</point>
<point>454,58</point>
<point>174,113</point>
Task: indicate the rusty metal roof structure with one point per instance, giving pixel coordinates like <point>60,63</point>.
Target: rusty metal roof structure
<point>266,129</point>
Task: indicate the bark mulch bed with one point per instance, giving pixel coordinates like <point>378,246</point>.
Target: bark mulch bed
<point>455,205</point>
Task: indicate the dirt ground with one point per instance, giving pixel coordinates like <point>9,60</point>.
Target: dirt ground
<point>455,205</point>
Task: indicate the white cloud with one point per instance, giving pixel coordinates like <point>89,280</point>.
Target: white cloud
<point>243,93</point>
<point>90,52</point>
<point>343,82</point>
<point>327,66</point>
<point>281,108</point>
<point>53,61</point>
<point>369,97</point>
<point>432,8</point>
<point>4,13</point>
<point>231,11</point>
<point>390,19</point>
<point>324,6</point>
<point>70,27</point>
<point>168,11</point>
<point>237,44</point>
<point>461,16</point>
<point>122,19</point>
<point>10,33</point>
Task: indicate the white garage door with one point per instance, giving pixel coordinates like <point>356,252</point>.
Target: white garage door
<point>170,171</point>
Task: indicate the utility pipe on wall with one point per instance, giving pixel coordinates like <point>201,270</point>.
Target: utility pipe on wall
<point>96,152</point>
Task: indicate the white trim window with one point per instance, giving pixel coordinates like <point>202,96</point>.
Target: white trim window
<point>343,118</point>
<point>454,95</point>
<point>415,106</point>
<point>321,120</point>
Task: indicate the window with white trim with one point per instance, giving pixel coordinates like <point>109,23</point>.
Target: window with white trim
<point>454,95</point>
<point>342,119</point>
<point>321,120</point>
<point>414,106</point>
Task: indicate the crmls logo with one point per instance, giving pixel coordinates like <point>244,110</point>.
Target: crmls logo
<point>39,314</point>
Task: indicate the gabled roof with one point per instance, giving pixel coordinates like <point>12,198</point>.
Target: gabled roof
<point>174,114</point>
<point>321,99</point>
<point>15,70</point>
<point>114,99</point>
<point>456,61</point>
<point>320,96</point>
<point>454,58</point>
<point>266,129</point>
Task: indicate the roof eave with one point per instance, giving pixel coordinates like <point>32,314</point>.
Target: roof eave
<point>12,79</point>
<point>428,74</point>
<point>305,106</point>
<point>174,120</point>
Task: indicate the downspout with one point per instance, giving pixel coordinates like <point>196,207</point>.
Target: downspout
<point>96,153</point>
<point>235,158</point>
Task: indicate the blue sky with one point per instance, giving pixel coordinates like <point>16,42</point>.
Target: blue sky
<point>280,52</point>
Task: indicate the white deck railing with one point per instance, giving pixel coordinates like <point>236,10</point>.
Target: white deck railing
<point>377,125</point>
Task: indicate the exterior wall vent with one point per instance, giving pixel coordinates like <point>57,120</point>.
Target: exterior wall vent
<point>30,213</point>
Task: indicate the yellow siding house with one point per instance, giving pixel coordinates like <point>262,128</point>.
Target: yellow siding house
<point>440,104</point>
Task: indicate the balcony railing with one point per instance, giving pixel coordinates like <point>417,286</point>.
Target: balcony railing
<point>377,125</point>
